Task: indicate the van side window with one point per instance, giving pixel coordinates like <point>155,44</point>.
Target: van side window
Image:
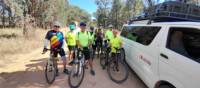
<point>185,41</point>
<point>124,32</point>
<point>141,34</point>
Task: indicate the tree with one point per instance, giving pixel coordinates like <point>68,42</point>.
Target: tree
<point>43,12</point>
<point>102,12</point>
<point>115,12</point>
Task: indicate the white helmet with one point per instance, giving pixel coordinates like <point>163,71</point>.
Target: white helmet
<point>56,23</point>
<point>110,26</point>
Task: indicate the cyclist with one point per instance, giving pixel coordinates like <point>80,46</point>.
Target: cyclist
<point>84,42</point>
<point>56,39</point>
<point>109,33</point>
<point>99,38</point>
<point>92,36</point>
<point>108,37</point>
<point>71,41</point>
<point>115,43</point>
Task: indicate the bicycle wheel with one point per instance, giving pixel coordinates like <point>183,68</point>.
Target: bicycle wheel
<point>117,71</point>
<point>122,54</point>
<point>50,73</point>
<point>76,76</point>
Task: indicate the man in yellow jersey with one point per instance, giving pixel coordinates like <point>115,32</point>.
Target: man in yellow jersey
<point>115,43</point>
<point>109,33</point>
<point>84,42</point>
<point>70,38</point>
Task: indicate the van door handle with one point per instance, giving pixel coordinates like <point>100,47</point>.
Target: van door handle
<point>164,56</point>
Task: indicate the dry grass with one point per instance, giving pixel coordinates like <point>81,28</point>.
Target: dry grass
<point>18,44</point>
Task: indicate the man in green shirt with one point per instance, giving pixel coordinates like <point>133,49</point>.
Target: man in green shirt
<point>70,38</point>
<point>109,33</point>
<point>84,41</point>
<point>116,42</point>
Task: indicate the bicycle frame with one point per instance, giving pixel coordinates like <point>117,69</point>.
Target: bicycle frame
<point>115,58</point>
<point>80,60</point>
<point>51,58</point>
<point>51,66</point>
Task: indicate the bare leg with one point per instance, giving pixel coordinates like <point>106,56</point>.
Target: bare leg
<point>91,64</point>
<point>91,67</point>
<point>69,57</point>
<point>64,59</point>
<point>72,55</point>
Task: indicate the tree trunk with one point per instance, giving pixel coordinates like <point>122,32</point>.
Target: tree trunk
<point>3,19</point>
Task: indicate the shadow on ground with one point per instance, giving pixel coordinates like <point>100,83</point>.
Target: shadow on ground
<point>30,77</point>
<point>33,77</point>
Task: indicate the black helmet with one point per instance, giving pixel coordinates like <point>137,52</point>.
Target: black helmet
<point>83,24</point>
<point>91,28</point>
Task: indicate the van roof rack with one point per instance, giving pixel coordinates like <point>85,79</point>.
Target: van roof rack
<point>170,11</point>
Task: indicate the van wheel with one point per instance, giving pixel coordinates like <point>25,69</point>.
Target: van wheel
<point>166,86</point>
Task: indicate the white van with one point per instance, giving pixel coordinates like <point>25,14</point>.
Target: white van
<point>164,54</point>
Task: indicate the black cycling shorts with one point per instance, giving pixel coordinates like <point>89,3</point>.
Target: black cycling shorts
<point>86,53</point>
<point>99,42</point>
<point>71,48</point>
<point>59,51</point>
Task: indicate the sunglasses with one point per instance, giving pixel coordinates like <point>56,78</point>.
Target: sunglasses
<point>57,26</point>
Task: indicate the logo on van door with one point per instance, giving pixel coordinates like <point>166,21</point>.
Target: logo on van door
<point>145,60</point>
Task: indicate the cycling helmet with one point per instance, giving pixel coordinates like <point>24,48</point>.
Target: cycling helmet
<point>91,28</point>
<point>82,24</point>
<point>110,26</point>
<point>56,23</point>
<point>72,27</point>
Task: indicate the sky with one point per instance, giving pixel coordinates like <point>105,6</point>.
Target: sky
<point>88,5</point>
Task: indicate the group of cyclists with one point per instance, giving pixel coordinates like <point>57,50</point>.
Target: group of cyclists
<point>87,40</point>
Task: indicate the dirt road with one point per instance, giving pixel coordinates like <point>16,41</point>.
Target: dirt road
<point>27,71</point>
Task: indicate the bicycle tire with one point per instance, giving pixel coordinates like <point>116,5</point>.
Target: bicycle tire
<point>109,68</point>
<point>46,75</point>
<point>71,75</point>
<point>123,55</point>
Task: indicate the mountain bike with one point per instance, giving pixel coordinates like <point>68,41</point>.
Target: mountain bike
<point>51,67</point>
<point>116,67</point>
<point>78,69</point>
<point>104,54</point>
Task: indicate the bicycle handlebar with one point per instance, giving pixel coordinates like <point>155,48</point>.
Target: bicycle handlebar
<point>46,51</point>
<point>118,49</point>
<point>49,50</point>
